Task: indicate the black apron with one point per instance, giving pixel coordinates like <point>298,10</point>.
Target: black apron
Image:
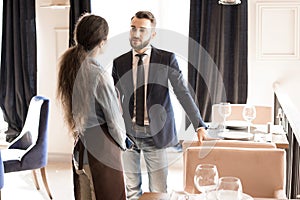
<point>104,158</point>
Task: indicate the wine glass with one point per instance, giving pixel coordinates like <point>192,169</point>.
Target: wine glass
<point>224,111</point>
<point>229,188</point>
<point>206,178</point>
<point>249,114</point>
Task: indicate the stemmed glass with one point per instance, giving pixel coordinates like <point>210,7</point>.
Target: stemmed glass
<point>224,111</point>
<point>249,114</point>
<point>229,188</point>
<point>206,178</point>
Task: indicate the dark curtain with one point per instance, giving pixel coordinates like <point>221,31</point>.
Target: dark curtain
<point>77,8</point>
<point>218,68</point>
<point>18,63</point>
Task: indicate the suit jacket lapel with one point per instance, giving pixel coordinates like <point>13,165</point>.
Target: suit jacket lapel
<point>126,74</point>
<point>127,77</point>
<point>154,60</point>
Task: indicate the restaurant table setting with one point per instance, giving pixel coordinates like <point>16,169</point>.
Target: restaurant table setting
<point>213,187</point>
<point>242,129</point>
<point>237,130</point>
<point>210,186</point>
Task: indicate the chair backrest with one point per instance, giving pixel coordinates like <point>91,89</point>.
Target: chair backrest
<point>264,114</point>
<point>261,170</point>
<point>227,143</point>
<point>34,135</point>
<point>223,143</point>
<point>29,133</point>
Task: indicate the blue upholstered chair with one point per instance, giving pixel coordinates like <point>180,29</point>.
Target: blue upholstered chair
<point>1,174</point>
<point>29,150</point>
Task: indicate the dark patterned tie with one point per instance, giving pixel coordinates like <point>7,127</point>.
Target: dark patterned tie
<point>140,91</point>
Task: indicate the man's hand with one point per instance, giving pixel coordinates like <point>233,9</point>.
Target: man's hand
<point>201,133</point>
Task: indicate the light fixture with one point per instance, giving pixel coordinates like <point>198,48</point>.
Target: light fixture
<point>229,2</point>
<point>55,4</point>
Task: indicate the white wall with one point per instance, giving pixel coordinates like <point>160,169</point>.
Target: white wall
<point>170,14</point>
<point>274,54</point>
<point>52,40</point>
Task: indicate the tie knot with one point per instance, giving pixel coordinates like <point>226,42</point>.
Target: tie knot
<point>141,55</point>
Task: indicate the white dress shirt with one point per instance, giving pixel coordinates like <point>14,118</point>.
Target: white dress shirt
<point>146,61</point>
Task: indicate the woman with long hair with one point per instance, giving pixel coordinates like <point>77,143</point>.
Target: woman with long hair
<point>92,113</point>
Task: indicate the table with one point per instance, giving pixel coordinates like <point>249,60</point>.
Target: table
<point>278,137</point>
<point>164,196</point>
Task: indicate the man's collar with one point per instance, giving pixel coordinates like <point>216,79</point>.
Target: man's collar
<point>148,51</point>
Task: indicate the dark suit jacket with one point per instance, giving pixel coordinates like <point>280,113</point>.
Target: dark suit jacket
<point>163,68</point>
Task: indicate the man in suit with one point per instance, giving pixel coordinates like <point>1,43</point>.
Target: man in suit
<point>141,76</point>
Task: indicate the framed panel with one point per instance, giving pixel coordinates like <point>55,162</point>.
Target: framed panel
<point>61,41</point>
<point>277,35</point>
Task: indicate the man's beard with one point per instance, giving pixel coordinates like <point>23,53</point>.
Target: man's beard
<point>141,46</point>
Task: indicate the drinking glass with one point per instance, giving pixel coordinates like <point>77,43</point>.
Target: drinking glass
<point>224,111</point>
<point>206,178</point>
<point>249,114</point>
<point>229,188</point>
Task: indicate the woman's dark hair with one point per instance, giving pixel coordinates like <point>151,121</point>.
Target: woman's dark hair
<point>145,15</point>
<point>90,31</point>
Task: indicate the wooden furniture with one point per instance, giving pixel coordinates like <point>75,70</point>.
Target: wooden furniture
<point>29,151</point>
<point>261,170</point>
<point>226,143</point>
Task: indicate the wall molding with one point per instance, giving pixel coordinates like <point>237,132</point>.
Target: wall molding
<point>61,36</point>
<point>278,30</point>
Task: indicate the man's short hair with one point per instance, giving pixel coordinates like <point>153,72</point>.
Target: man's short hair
<point>146,15</point>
